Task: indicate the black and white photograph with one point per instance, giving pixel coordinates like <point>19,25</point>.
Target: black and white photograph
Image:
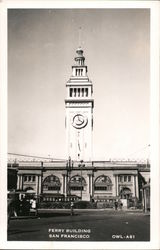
<point>79,121</point>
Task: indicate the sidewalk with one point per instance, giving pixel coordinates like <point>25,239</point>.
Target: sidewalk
<point>67,212</point>
<point>87,210</point>
<point>21,217</point>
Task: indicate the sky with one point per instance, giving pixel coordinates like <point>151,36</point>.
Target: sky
<point>42,45</point>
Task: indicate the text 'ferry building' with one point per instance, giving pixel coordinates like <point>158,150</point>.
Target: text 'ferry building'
<point>78,177</point>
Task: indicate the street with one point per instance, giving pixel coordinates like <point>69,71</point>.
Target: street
<point>95,225</point>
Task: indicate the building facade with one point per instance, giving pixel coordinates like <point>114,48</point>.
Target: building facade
<point>56,180</point>
<point>79,177</point>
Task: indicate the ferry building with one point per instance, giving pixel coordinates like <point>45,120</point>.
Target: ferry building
<point>78,177</point>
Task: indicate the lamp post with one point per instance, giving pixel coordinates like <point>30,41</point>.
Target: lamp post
<point>69,168</point>
<point>81,165</point>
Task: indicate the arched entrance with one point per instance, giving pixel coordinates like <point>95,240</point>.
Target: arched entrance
<point>125,193</point>
<point>29,190</point>
<point>51,183</point>
<point>103,183</point>
<point>77,182</point>
<point>77,185</point>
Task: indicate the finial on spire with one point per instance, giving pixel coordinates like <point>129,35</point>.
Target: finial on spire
<point>79,36</point>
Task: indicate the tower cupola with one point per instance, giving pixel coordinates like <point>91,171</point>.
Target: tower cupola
<point>79,69</point>
<point>79,58</point>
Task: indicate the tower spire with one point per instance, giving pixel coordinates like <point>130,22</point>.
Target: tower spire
<point>79,36</point>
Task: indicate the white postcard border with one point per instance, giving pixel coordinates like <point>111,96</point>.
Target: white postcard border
<point>155,174</point>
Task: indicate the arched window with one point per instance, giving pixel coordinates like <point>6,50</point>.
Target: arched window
<point>77,182</point>
<point>51,182</point>
<point>103,182</point>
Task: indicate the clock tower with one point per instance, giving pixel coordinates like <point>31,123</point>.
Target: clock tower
<point>79,111</point>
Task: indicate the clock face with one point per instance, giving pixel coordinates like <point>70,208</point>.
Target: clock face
<point>79,121</point>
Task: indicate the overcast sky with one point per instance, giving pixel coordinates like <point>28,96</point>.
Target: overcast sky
<point>41,51</point>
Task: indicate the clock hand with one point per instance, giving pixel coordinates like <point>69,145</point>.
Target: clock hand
<point>80,118</point>
<point>79,145</point>
<point>79,122</point>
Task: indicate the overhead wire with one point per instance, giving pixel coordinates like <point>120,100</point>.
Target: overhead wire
<point>34,156</point>
<point>139,150</point>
